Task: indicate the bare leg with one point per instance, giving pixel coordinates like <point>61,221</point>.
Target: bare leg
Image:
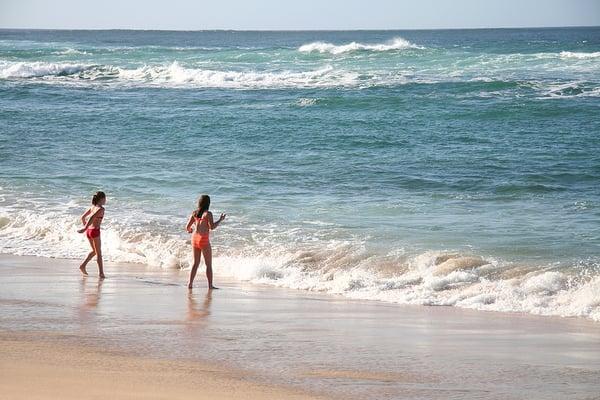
<point>90,255</point>
<point>207,251</point>
<point>197,256</point>
<point>98,249</point>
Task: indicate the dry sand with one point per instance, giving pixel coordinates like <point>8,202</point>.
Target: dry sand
<point>37,369</point>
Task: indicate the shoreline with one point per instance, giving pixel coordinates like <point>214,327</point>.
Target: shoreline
<point>200,279</point>
<point>266,341</point>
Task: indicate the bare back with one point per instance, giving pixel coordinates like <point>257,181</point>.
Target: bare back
<point>97,213</point>
<point>202,226</point>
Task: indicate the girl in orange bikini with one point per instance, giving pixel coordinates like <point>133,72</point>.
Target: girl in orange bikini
<point>201,223</point>
<point>92,232</point>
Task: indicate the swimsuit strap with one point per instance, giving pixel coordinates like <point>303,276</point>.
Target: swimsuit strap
<point>199,218</point>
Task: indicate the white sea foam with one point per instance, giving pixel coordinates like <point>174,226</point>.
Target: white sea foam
<point>485,68</point>
<point>579,55</point>
<point>23,233</point>
<point>306,102</point>
<point>324,47</point>
<point>175,75</point>
<point>10,70</point>
<point>71,51</point>
<point>567,90</point>
<point>339,267</point>
<point>543,293</point>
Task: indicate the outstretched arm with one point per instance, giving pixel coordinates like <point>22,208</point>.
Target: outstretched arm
<point>188,227</point>
<point>212,224</point>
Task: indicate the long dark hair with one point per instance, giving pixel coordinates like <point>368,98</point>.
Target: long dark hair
<point>203,205</point>
<point>97,197</point>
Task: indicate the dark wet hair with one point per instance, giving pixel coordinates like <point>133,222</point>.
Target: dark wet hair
<point>203,205</point>
<point>97,197</point>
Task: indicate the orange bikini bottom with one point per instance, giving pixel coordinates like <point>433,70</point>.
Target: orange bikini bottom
<point>200,241</point>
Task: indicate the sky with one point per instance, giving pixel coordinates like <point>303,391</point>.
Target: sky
<point>296,15</point>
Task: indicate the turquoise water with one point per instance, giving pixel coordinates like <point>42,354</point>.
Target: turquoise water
<point>429,167</point>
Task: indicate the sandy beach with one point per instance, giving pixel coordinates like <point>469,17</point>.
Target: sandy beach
<point>141,334</point>
<point>33,367</point>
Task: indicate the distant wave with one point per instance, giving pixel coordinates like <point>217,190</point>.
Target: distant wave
<point>306,102</point>
<point>342,267</point>
<point>581,56</point>
<point>323,47</point>
<point>486,82</point>
<point>568,90</point>
<point>13,70</point>
<point>176,75</point>
<point>71,51</point>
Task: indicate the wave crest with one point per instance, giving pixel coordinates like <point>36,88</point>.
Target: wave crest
<point>179,75</point>
<point>176,75</point>
<point>10,70</point>
<point>324,75</point>
<point>324,47</point>
<point>579,55</point>
<point>465,281</point>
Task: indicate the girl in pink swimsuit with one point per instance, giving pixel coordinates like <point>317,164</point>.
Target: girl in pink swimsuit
<point>91,220</point>
<point>201,223</point>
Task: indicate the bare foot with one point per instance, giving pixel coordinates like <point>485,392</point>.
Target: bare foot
<point>101,276</point>
<point>82,269</point>
<point>212,287</point>
<point>190,286</point>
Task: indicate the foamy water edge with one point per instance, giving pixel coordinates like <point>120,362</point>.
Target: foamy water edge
<point>432,278</point>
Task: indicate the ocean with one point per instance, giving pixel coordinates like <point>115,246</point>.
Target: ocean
<point>450,167</point>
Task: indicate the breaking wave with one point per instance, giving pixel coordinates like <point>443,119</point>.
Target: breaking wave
<point>323,47</point>
<point>581,56</point>
<point>342,267</point>
<point>494,73</point>
<point>70,51</point>
<point>12,70</point>
<point>176,75</point>
<point>432,278</point>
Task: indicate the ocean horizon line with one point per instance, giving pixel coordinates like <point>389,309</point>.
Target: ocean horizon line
<point>299,30</point>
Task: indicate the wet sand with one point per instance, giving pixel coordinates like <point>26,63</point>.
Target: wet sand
<point>140,333</point>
